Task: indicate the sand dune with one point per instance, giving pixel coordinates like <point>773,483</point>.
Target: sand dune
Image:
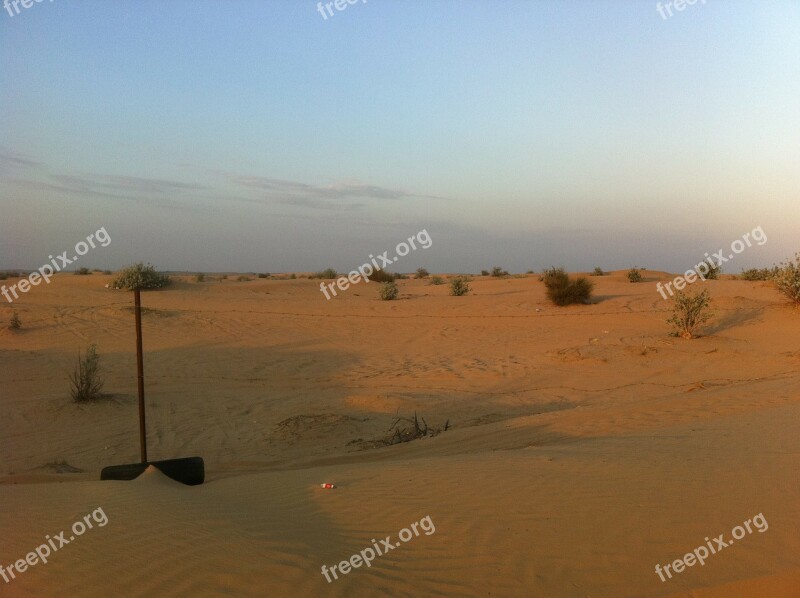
<point>584,444</point>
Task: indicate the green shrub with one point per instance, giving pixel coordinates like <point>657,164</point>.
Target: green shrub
<point>436,280</point>
<point>264,275</point>
<point>759,274</point>
<point>787,279</point>
<point>83,271</point>
<point>713,272</point>
<point>139,276</point>
<point>382,276</point>
<point>14,323</point>
<point>688,312</point>
<point>422,273</point>
<point>200,277</point>
<point>598,271</point>
<point>497,272</point>
<point>292,276</point>
<point>459,286</point>
<point>635,275</point>
<point>85,381</point>
<point>563,291</point>
<point>388,291</point>
<point>484,273</point>
<point>327,274</point>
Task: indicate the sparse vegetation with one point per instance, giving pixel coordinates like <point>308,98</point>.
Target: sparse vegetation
<point>200,277</point>
<point>243,278</point>
<point>598,271</point>
<point>14,323</point>
<point>635,275</point>
<point>561,290</point>
<point>83,271</point>
<point>85,381</point>
<point>140,276</point>
<point>713,272</point>
<point>107,272</point>
<point>689,312</point>
<point>436,280</point>
<point>787,279</point>
<point>326,274</point>
<point>459,286</point>
<point>759,273</point>
<point>422,273</point>
<point>497,272</point>
<point>264,275</point>
<point>293,276</point>
<point>381,276</point>
<point>484,273</point>
<point>388,291</point>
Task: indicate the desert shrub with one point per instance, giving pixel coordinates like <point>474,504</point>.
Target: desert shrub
<point>484,273</point>
<point>107,272</point>
<point>382,276</point>
<point>759,273</point>
<point>293,276</point>
<point>436,280</point>
<point>713,272</point>
<point>3,276</point>
<point>787,279</point>
<point>635,275</point>
<point>327,274</point>
<point>422,273</point>
<point>14,323</point>
<point>243,278</point>
<point>200,277</point>
<point>264,275</point>
<point>85,381</point>
<point>388,291</point>
<point>688,312</point>
<point>140,276</point>
<point>224,277</point>
<point>529,272</point>
<point>459,286</point>
<point>598,271</point>
<point>83,271</point>
<point>497,272</point>
<point>563,291</point>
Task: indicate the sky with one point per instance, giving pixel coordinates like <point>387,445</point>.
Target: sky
<point>275,136</point>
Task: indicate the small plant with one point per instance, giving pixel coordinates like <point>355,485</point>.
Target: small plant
<point>459,286</point>
<point>381,276</point>
<point>200,277</point>
<point>598,271</point>
<point>264,275</point>
<point>635,275</point>
<point>14,323</point>
<point>388,291</point>
<point>140,276</point>
<point>497,272</point>
<point>107,272</point>
<point>787,279</point>
<point>243,278</point>
<point>689,312</point>
<point>529,272</point>
<point>436,280</point>
<point>326,274</point>
<point>484,273</point>
<point>292,276</point>
<point>714,272</point>
<point>422,273</point>
<point>83,271</point>
<point>85,380</point>
<point>759,273</point>
<point>563,291</point>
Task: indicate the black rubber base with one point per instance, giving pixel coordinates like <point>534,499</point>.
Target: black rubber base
<point>188,470</point>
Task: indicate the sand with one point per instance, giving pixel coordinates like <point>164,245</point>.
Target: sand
<point>584,444</point>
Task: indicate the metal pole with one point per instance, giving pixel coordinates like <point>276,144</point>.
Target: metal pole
<point>140,373</point>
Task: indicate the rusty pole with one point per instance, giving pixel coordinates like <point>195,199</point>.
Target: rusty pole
<point>140,373</point>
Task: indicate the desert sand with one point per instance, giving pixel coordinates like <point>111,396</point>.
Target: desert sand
<point>584,444</point>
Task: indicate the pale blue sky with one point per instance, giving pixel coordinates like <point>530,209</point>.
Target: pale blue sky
<point>258,136</point>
